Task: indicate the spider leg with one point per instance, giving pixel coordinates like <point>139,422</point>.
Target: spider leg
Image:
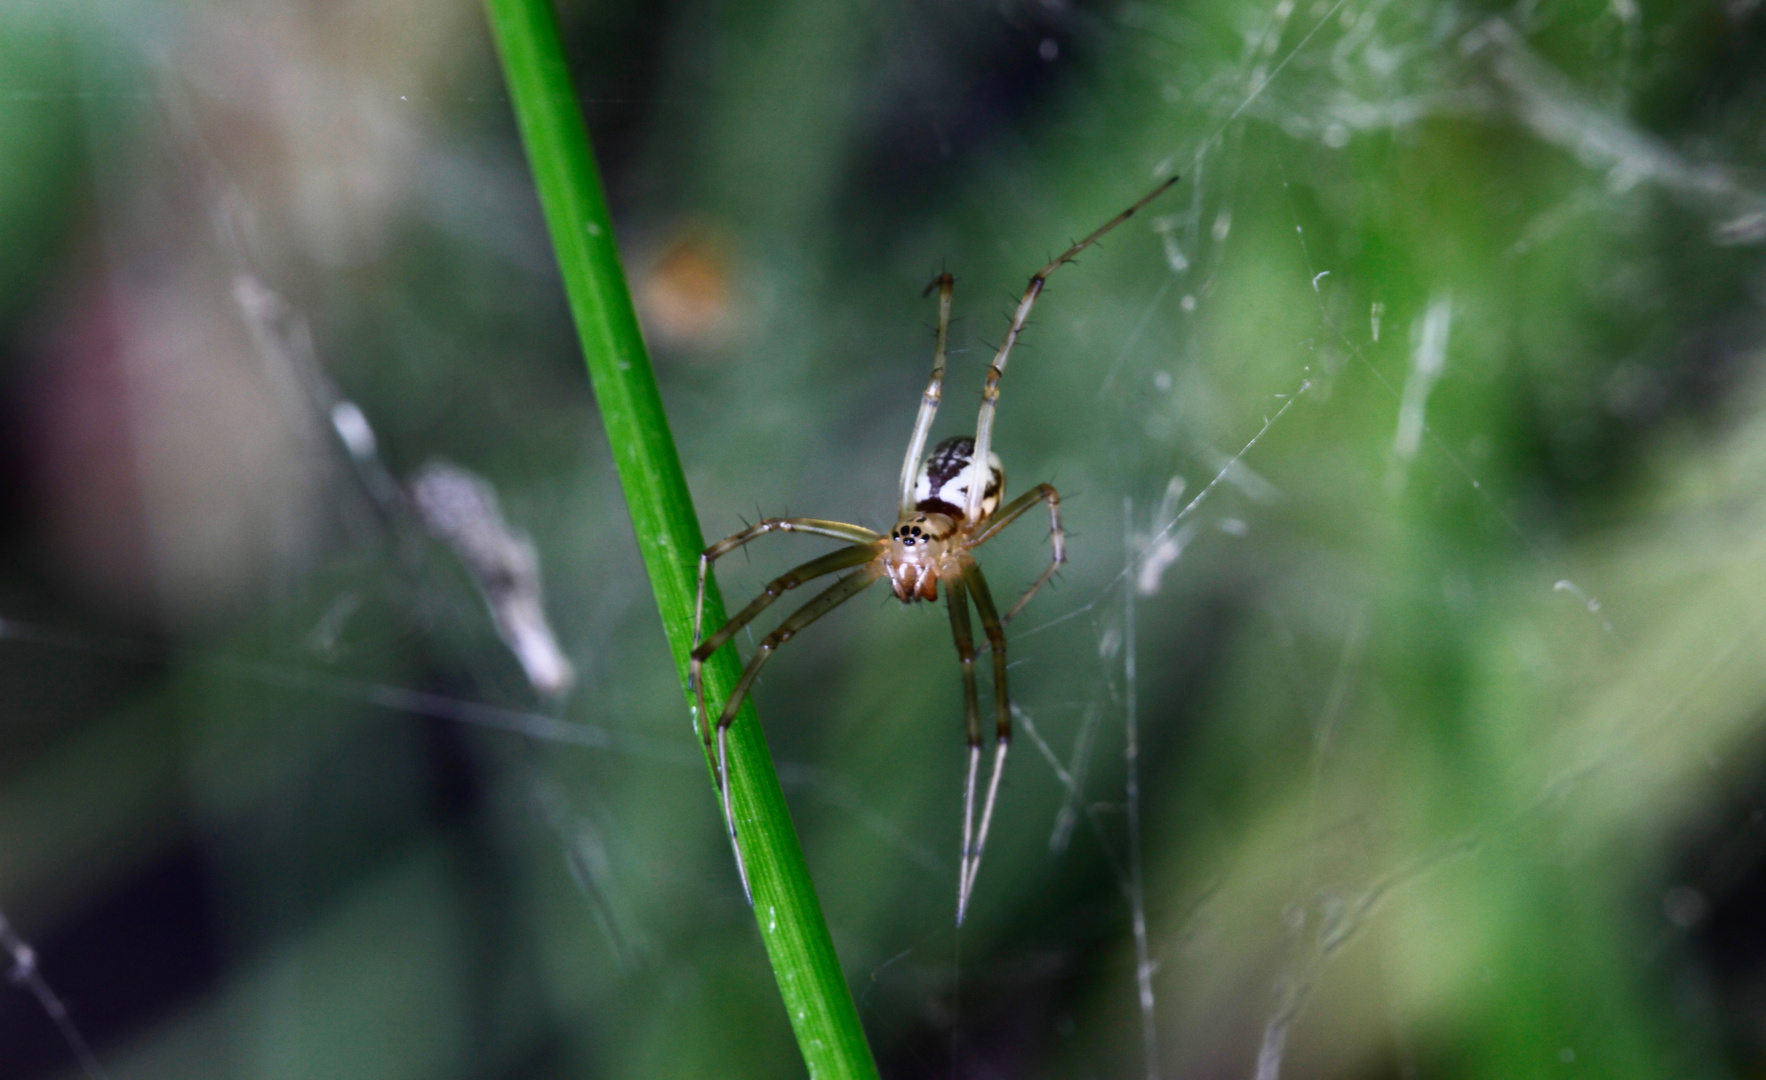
<point>944,283</point>
<point>1011,512</point>
<point>991,625</point>
<point>956,597</point>
<point>837,530</point>
<point>822,603</point>
<point>834,561</point>
<point>990,390</point>
<point>1002,710</point>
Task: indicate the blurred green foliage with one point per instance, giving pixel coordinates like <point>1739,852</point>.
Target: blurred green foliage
<point>1450,763</point>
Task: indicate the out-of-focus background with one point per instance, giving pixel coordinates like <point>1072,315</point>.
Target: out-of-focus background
<point>1413,450</point>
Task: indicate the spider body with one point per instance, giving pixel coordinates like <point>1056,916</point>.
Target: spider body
<point>929,541</point>
<point>950,504</point>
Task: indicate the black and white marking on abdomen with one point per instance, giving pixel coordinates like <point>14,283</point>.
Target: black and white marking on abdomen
<point>942,486</point>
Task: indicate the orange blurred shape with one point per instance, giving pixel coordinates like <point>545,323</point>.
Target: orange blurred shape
<point>684,295</point>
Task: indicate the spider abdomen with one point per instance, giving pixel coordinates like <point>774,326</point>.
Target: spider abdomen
<point>942,486</point>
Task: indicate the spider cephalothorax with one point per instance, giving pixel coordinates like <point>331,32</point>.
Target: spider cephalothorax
<point>947,510</point>
<point>918,554</point>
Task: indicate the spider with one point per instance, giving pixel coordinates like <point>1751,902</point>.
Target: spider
<point>949,507</point>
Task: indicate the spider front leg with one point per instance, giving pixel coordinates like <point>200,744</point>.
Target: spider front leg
<point>1057,539</point>
<point>837,530</point>
<point>823,602</point>
<point>833,562</point>
<point>976,586</point>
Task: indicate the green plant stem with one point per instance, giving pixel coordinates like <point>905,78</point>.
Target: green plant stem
<point>817,998</point>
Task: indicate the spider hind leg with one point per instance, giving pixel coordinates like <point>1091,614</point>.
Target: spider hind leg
<point>976,587</point>
<point>956,597</point>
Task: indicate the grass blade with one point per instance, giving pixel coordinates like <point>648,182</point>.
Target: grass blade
<point>817,999</point>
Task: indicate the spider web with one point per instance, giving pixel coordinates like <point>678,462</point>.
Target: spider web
<point>1221,724</point>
